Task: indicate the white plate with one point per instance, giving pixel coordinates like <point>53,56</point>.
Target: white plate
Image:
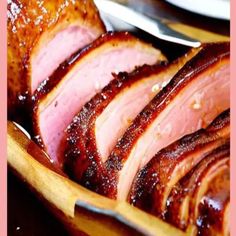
<point>214,8</point>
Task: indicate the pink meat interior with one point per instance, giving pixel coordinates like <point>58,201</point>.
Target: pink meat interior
<point>194,107</point>
<point>119,114</point>
<point>59,48</point>
<point>81,85</point>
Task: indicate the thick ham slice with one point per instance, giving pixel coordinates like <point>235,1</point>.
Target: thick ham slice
<point>79,79</point>
<point>185,197</point>
<point>90,137</point>
<point>155,181</point>
<point>41,35</point>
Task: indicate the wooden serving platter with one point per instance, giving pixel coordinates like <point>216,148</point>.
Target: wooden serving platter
<point>82,211</point>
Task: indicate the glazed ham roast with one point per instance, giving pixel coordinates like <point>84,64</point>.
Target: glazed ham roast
<point>115,106</point>
<point>118,118</point>
<point>41,35</point>
<point>173,184</point>
<point>202,85</point>
<point>79,79</point>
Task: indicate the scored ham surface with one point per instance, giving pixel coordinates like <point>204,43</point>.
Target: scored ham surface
<point>191,100</point>
<point>79,79</point>
<point>153,184</point>
<point>182,204</point>
<point>41,35</point>
<point>104,119</point>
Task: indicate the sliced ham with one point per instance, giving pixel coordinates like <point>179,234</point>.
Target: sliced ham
<point>185,197</point>
<point>192,99</point>
<point>213,218</point>
<point>155,181</point>
<point>41,35</point>
<point>104,119</point>
<point>79,79</point>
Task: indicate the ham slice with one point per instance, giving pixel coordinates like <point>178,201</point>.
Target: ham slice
<point>213,218</point>
<point>180,108</point>
<point>185,197</point>
<point>79,79</point>
<point>155,181</point>
<point>41,35</point>
<point>105,118</point>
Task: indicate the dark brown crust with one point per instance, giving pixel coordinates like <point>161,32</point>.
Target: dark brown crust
<point>188,185</point>
<point>206,58</point>
<point>112,38</point>
<point>27,21</point>
<point>147,190</point>
<point>81,132</point>
<point>213,206</point>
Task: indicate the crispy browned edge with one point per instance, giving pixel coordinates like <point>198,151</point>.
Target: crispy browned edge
<point>210,218</point>
<point>188,185</point>
<point>24,32</point>
<point>148,179</point>
<point>47,86</point>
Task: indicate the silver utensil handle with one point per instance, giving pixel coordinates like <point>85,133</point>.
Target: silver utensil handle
<point>171,35</point>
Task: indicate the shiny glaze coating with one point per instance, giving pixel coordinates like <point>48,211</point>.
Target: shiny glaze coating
<point>27,23</point>
<point>147,189</point>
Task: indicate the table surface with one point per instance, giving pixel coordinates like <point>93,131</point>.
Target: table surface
<point>26,215</point>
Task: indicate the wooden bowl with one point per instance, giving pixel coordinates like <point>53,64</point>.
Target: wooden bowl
<point>81,210</point>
